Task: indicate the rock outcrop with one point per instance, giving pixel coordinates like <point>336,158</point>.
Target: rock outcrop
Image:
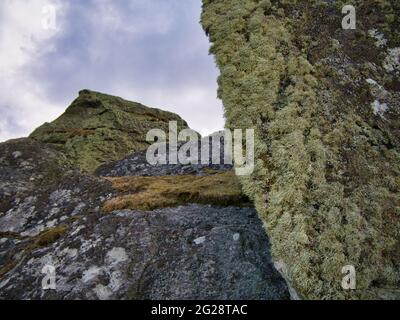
<point>99,128</point>
<point>324,103</point>
<point>140,233</point>
<point>137,165</point>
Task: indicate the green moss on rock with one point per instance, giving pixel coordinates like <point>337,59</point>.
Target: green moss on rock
<point>99,128</point>
<point>326,182</point>
<point>50,236</point>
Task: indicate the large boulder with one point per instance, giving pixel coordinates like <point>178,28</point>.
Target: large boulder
<point>53,222</point>
<point>99,128</point>
<point>188,252</point>
<point>324,102</point>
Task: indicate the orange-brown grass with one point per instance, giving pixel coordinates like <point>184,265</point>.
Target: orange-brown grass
<point>79,132</point>
<point>149,193</point>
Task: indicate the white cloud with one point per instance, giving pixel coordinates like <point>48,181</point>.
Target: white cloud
<point>109,46</point>
<point>23,40</point>
<point>152,17</point>
<point>196,102</point>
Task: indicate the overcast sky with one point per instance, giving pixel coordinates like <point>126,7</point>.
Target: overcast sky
<point>150,51</point>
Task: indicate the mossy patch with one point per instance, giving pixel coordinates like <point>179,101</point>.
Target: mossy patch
<point>44,239</point>
<point>50,236</point>
<point>149,193</point>
<point>99,128</point>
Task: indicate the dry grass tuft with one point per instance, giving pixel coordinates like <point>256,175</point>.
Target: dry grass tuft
<point>149,193</point>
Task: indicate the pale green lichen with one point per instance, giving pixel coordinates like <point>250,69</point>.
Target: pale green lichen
<point>392,60</point>
<point>326,182</point>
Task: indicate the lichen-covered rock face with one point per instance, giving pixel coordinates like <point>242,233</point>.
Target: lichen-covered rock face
<point>99,128</point>
<point>41,195</point>
<point>324,102</point>
<point>39,189</point>
<point>189,252</point>
<point>52,224</point>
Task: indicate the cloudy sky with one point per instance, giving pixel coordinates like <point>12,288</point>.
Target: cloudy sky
<point>149,51</point>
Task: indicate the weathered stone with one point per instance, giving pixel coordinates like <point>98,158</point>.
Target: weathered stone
<point>56,221</point>
<point>136,255</point>
<point>137,165</point>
